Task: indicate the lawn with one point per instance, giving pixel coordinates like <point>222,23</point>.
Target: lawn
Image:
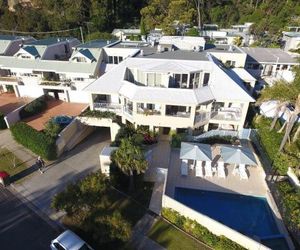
<point>10,163</point>
<point>171,238</point>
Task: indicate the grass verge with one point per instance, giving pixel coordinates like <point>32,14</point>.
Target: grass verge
<point>10,163</point>
<point>171,238</point>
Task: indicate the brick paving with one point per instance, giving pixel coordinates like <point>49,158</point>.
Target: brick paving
<point>55,108</point>
<point>9,102</point>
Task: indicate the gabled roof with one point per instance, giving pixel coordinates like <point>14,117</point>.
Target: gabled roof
<point>86,53</point>
<point>30,50</point>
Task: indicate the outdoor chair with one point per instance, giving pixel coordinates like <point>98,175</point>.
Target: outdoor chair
<point>184,167</point>
<point>221,170</point>
<point>199,169</point>
<point>207,168</point>
<point>243,173</point>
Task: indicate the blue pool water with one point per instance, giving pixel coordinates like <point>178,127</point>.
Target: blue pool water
<point>249,215</point>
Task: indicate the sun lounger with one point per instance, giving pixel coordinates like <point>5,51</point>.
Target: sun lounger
<point>184,167</point>
<point>207,168</point>
<point>199,169</point>
<point>221,170</point>
<point>243,173</point>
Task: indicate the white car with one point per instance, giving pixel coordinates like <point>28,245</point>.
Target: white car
<point>69,241</point>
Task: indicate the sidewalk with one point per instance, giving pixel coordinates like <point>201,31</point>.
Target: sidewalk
<point>40,188</point>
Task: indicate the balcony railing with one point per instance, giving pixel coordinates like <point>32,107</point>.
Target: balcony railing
<point>227,114</point>
<point>179,114</point>
<point>148,111</point>
<point>9,79</point>
<point>202,117</point>
<point>106,106</point>
<point>128,110</point>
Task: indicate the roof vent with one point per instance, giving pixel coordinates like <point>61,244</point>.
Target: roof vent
<point>107,42</point>
<point>142,52</point>
<point>230,48</point>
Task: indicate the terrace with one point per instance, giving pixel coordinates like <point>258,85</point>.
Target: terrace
<point>255,184</point>
<point>9,102</point>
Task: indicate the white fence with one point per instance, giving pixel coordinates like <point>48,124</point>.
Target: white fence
<point>13,117</point>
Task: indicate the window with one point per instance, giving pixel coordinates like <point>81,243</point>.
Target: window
<point>151,79</point>
<point>120,59</point>
<point>79,79</point>
<point>58,246</point>
<point>181,80</point>
<point>115,60</point>
<point>206,79</point>
<point>284,67</point>
<point>110,60</point>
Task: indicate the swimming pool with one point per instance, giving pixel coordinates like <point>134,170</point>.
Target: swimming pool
<point>248,215</point>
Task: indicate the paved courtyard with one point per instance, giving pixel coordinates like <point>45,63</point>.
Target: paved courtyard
<point>9,102</point>
<point>55,108</point>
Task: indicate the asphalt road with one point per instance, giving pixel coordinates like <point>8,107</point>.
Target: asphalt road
<point>20,227</point>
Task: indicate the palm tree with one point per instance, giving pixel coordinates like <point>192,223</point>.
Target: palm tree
<point>285,93</point>
<point>130,158</point>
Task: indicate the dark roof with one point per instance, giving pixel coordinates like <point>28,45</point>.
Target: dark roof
<point>49,41</point>
<point>100,43</point>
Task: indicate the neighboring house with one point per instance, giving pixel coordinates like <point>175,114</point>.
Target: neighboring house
<point>270,63</point>
<point>228,36</point>
<point>127,34</point>
<point>55,48</point>
<point>172,90</point>
<point>184,42</point>
<point>9,45</point>
<point>37,68</point>
<point>291,41</point>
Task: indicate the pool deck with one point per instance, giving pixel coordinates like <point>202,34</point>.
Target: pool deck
<point>254,186</point>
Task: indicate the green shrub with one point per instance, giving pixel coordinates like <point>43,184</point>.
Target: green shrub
<point>291,202</point>
<point>2,122</point>
<point>36,141</point>
<point>99,114</point>
<point>176,139</point>
<point>220,139</point>
<point>52,129</point>
<point>36,106</point>
<point>198,231</point>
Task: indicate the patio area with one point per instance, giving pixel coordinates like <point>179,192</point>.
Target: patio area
<point>55,108</point>
<point>232,183</point>
<point>9,102</point>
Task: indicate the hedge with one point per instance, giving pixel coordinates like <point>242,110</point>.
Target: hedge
<point>36,141</point>
<point>2,122</point>
<point>198,231</point>
<point>36,106</point>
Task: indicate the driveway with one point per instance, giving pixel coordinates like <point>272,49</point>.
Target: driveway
<point>82,160</point>
<point>20,227</point>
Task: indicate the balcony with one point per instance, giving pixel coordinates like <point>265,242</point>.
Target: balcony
<point>144,111</point>
<point>10,80</point>
<point>59,83</point>
<point>179,114</point>
<point>202,117</point>
<point>128,110</point>
<point>227,114</point>
<point>106,106</point>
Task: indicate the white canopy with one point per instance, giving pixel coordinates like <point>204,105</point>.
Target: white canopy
<point>195,151</point>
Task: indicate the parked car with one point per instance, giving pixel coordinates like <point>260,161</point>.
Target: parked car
<point>69,241</point>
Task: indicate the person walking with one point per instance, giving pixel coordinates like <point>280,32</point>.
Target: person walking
<point>40,164</point>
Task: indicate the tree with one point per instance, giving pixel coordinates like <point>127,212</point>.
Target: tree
<point>192,32</point>
<point>198,5</point>
<point>285,93</point>
<point>238,41</point>
<point>130,159</point>
<point>143,28</point>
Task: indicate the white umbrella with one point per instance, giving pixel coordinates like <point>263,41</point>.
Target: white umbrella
<point>195,151</point>
<point>237,155</point>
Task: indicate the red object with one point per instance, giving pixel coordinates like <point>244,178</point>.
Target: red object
<point>4,175</point>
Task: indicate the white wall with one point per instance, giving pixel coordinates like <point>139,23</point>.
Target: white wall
<point>79,96</point>
<point>214,226</point>
<point>30,91</point>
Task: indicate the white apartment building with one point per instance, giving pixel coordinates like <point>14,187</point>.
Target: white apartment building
<point>61,67</point>
<point>172,90</point>
<point>291,41</point>
<point>270,63</point>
